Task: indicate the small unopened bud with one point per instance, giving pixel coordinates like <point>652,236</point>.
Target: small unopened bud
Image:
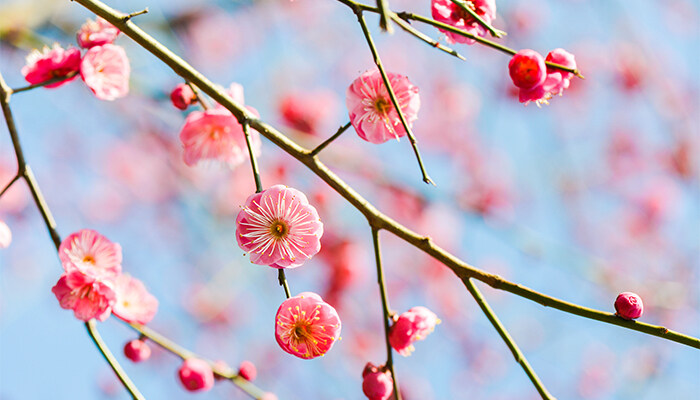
<point>629,305</point>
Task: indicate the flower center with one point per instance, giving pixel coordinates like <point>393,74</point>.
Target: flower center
<point>460,13</point>
<point>382,106</point>
<point>279,229</point>
<point>89,260</point>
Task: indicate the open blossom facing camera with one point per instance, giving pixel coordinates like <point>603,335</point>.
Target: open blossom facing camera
<point>105,70</point>
<point>306,326</point>
<point>51,63</point>
<point>91,253</point>
<point>371,112</point>
<point>134,303</point>
<point>413,325</point>
<point>537,81</point>
<point>279,228</point>
<point>452,14</point>
<point>96,33</point>
<point>215,134</point>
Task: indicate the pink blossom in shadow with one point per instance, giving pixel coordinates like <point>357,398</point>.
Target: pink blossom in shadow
<point>377,384</point>
<point>134,302</point>
<point>5,235</point>
<point>88,296</point>
<point>372,113</point>
<point>309,112</point>
<point>413,325</point>
<point>91,253</point>
<point>306,326</point>
<point>96,33</point>
<point>447,12</point>
<point>105,70</point>
<point>279,228</point>
<point>51,63</point>
<point>215,134</point>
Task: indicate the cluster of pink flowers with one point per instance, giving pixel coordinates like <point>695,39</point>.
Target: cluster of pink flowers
<point>215,134</point>
<point>372,113</point>
<point>452,14</point>
<point>104,67</point>
<point>535,80</point>
<point>93,285</point>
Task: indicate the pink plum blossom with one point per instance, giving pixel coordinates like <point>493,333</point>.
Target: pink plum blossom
<point>377,384</point>
<point>182,96</point>
<point>527,69</point>
<point>105,70</point>
<point>279,228</point>
<point>247,371</point>
<point>537,81</point>
<point>413,325</point>
<point>196,375</point>
<point>309,112</point>
<point>5,235</point>
<point>450,13</point>
<point>91,253</point>
<point>96,33</point>
<point>88,296</point>
<point>557,79</point>
<point>371,112</point>
<point>51,63</point>
<point>137,350</point>
<point>215,134</point>
<point>629,305</point>
<point>306,326</point>
<point>134,303</point>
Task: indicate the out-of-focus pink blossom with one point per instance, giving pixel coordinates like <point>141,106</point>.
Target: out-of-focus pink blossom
<point>105,70</point>
<point>376,383</point>
<point>134,303</point>
<point>51,63</point>
<point>308,112</point>
<point>371,112</point>
<point>247,371</point>
<point>450,13</point>
<point>629,305</point>
<point>91,253</point>
<point>5,235</point>
<point>279,228</point>
<point>137,350</point>
<point>89,297</point>
<point>558,79</point>
<point>215,134</point>
<point>96,33</point>
<point>306,326</point>
<point>182,96</point>
<point>413,325</point>
<point>268,396</point>
<point>196,375</point>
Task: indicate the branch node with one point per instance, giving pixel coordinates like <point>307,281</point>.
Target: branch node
<point>134,14</point>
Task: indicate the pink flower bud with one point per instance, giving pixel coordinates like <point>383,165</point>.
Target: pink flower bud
<point>629,305</point>
<point>137,350</point>
<point>413,325</point>
<point>182,96</point>
<point>527,69</point>
<point>96,33</point>
<point>376,384</point>
<point>247,371</point>
<point>5,235</point>
<point>196,374</point>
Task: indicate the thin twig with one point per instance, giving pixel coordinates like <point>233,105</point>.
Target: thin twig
<point>282,279</point>
<point>376,218</point>
<point>517,354</point>
<point>253,159</point>
<point>45,83</point>
<point>202,101</point>
<point>145,332</point>
<point>9,184</point>
<point>493,31</point>
<point>384,16</point>
<point>135,13</point>
<point>392,95</point>
<point>385,310</point>
<point>330,139</point>
<point>422,36</point>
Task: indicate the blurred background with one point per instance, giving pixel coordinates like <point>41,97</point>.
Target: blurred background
<point>590,196</point>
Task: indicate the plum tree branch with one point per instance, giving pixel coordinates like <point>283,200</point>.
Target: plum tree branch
<point>373,215</point>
